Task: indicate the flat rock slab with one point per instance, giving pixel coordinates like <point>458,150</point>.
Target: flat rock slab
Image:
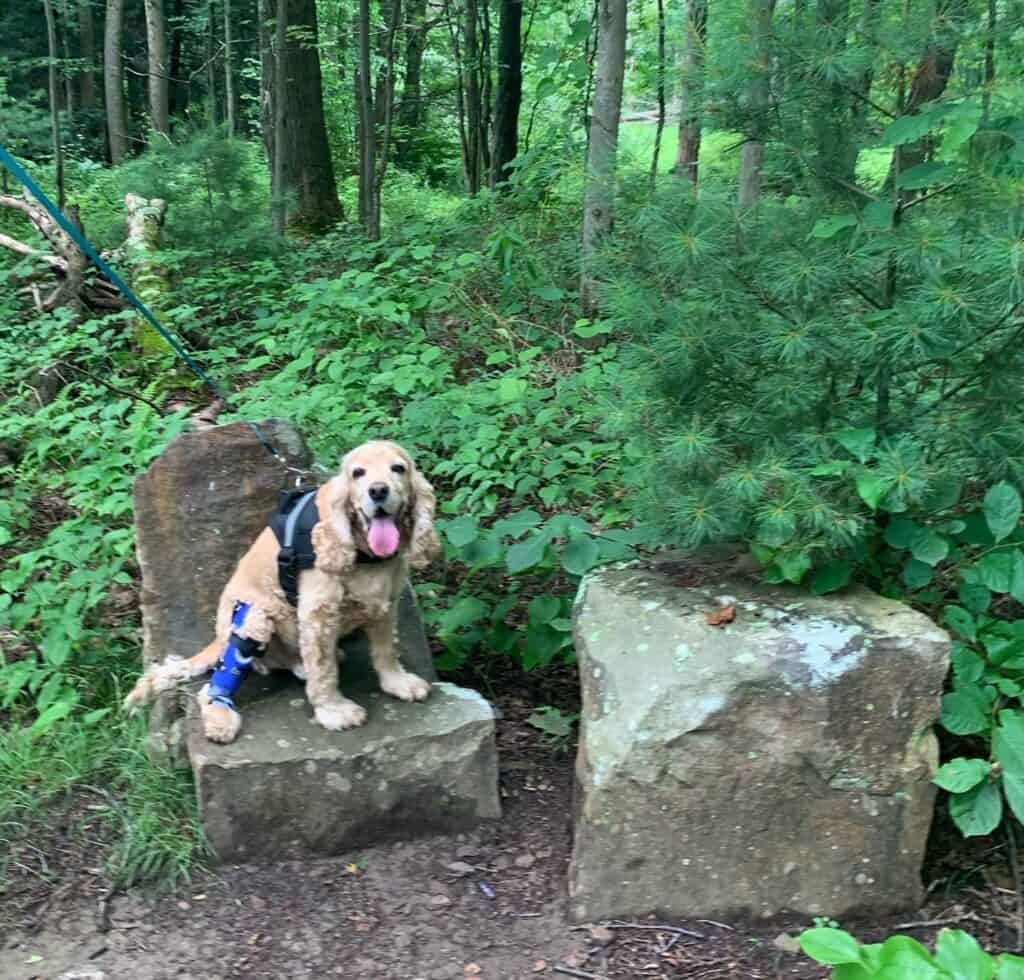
<point>288,787</point>
<point>780,762</point>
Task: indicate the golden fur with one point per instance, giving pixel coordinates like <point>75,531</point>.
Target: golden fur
<point>335,597</point>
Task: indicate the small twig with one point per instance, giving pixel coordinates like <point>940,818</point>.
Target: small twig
<point>569,971</point>
<point>929,923</point>
<point>720,925</point>
<point>106,384</point>
<point>654,928</point>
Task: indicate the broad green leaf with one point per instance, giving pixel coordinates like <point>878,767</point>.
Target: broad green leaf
<point>466,610</point>
<point>960,775</point>
<point>966,711</point>
<point>831,577</point>
<point>518,523</point>
<point>961,123</point>
<point>858,442</point>
<point>525,554</point>
<point>978,811</point>
<point>1010,967</point>
<point>960,621</point>
<point>542,646</point>
<point>878,216</point>
<point>511,389</point>
<point>482,551</point>
<point>1008,748</point>
<point>901,531</point>
<point>827,227</point>
<point>929,546</point>
<point>967,665</point>
<point>1017,575</point>
<point>552,721</point>
<point>903,957</point>
<point>53,714</point>
<point>832,946</point>
<point>793,565</point>
<point>580,554</point>
<point>542,609</point>
<point>925,175</point>
<point>586,329</point>
<point>907,129</point>
<point>872,488</point>
<point>462,530</point>
<point>916,574</point>
<point>996,570</point>
<point>975,597</point>
<point>962,958</point>
<point>852,971</point>
<point>1002,509</point>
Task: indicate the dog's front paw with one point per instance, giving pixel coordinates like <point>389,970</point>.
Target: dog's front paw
<point>404,686</point>
<point>340,715</point>
<point>220,723</point>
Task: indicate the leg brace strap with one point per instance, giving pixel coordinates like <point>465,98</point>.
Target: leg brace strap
<point>235,662</point>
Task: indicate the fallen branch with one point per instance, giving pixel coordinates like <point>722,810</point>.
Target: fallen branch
<point>572,972</point>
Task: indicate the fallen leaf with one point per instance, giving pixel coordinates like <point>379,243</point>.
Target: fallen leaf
<point>722,616</point>
<point>254,938</point>
<point>34,958</point>
<point>787,943</point>
<point>601,935</point>
<point>472,970</point>
<point>540,966</point>
<point>352,869</point>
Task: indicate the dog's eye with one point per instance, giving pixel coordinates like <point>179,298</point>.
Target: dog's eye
<point>358,472</point>
<point>397,468</point>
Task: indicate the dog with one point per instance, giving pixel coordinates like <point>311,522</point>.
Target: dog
<point>376,520</point>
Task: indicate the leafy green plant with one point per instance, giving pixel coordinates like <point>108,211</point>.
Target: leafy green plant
<point>957,956</point>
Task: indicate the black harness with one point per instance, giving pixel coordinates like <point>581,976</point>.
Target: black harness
<point>292,524</point>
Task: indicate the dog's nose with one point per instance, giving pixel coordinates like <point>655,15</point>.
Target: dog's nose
<point>379,492</point>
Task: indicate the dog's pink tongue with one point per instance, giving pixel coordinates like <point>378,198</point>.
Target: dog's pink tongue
<point>383,537</point>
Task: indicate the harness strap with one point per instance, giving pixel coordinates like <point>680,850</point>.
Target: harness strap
<point>293,519</point>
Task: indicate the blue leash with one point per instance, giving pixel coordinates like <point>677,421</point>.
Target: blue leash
<point>86,246</point>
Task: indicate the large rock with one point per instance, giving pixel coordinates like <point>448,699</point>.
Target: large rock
<point>288,787</point>
<point>198,508</point>
<point>780,762</point>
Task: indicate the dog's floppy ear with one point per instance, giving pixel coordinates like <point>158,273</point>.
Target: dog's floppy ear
<point>332,537</point>
<point>424,545</point>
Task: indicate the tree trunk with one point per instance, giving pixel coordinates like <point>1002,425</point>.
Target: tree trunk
<point>300,144</point>
<point>486,95</point>
<point>510,90</point>
<point>410,107</point>
<point>599,193</point>
<point>150,279</point>
<point>692,91</point>
<point>210,61</point>
<point>230,98</point>
<point>752,154</point>
<point>367,128</point>
<point>661,93</point>
<point>66,72</point>
<point>835,152</point>
<point>113,80</point>
<point>280,100</point>
<point>387,111</point>
<point>265,18</point>
<point>156,40</point>
<point>58,149</point>
<point>474,108</point>
<point>178,88</point>
<point>460,90</point>
<point>87,52</point>
<point>990,61</point>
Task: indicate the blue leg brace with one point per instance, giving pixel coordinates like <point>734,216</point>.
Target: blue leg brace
<point>235,662</point>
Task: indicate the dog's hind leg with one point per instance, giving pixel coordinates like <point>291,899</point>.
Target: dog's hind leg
<point>169,674</point>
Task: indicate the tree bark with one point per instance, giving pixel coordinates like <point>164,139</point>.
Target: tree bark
<point>599,192</point>
<point>692,90</point>
<point>990,61</point>
<point>178,89</point>
<point>410,106</point>
<point>66,72</point>
<point>300,144</point>
<point>210,61</point>
<point>58,149</point>
<point>752,154</point>
<point>280,99</point>
<point>87,52</point>
<point>661,93</point>
<point>230,96</point>
<point>113,81</point>
<point>156,41</point>
<point>835,151</point>
<point>265,17</point>
<point>510,90</point>
<point>367,126</point>
<point>474,108</point>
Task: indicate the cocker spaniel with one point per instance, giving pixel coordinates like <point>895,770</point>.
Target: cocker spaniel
<point>375,521</point>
